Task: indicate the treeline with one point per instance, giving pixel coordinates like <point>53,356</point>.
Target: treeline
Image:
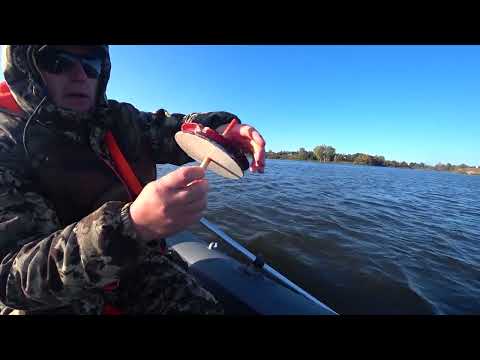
<point>326,153</point>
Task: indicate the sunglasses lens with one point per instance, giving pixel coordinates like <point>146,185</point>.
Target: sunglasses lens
<point>62,64</point>
<point>50,62</point>
<point>92,67</point>
<point>56,62</point>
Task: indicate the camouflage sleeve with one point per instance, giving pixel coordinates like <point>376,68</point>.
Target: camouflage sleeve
<point>159,129</point>
<point>45,266</point>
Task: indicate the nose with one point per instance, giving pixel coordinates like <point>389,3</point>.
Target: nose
<point>77,73</point>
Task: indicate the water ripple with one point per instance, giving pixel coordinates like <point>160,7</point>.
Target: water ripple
<point>365,240</point>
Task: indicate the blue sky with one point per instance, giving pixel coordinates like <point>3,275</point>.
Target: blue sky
<point>407,103</point>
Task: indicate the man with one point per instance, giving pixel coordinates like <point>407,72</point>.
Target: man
<point>73,236</point>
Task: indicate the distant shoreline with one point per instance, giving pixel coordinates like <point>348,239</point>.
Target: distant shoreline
<point>365,159</point>
<point>465,171</point>
<point>468,171</point>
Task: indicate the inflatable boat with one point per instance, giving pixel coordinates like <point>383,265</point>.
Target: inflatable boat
<point>249,287</point>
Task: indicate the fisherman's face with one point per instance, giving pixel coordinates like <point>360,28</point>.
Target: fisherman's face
<point>71,85</point>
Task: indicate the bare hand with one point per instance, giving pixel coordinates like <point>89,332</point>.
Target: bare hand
<point>171,203</point>
<point>249,140</point>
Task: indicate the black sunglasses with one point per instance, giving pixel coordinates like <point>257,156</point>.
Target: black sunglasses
<point>57,61</point>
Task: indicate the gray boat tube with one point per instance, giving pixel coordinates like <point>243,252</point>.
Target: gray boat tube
<point>242,289</point>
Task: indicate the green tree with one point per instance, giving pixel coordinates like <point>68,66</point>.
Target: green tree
<point>361,159</point>
<point>330,153</point>
<point>340,157</point>
<point>302,154</point>
<point>324,153</point>
<point>379,161</point>
<point>319,152</point>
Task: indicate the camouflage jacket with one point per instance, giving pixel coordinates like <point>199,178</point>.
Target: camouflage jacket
<point>63,228</point>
